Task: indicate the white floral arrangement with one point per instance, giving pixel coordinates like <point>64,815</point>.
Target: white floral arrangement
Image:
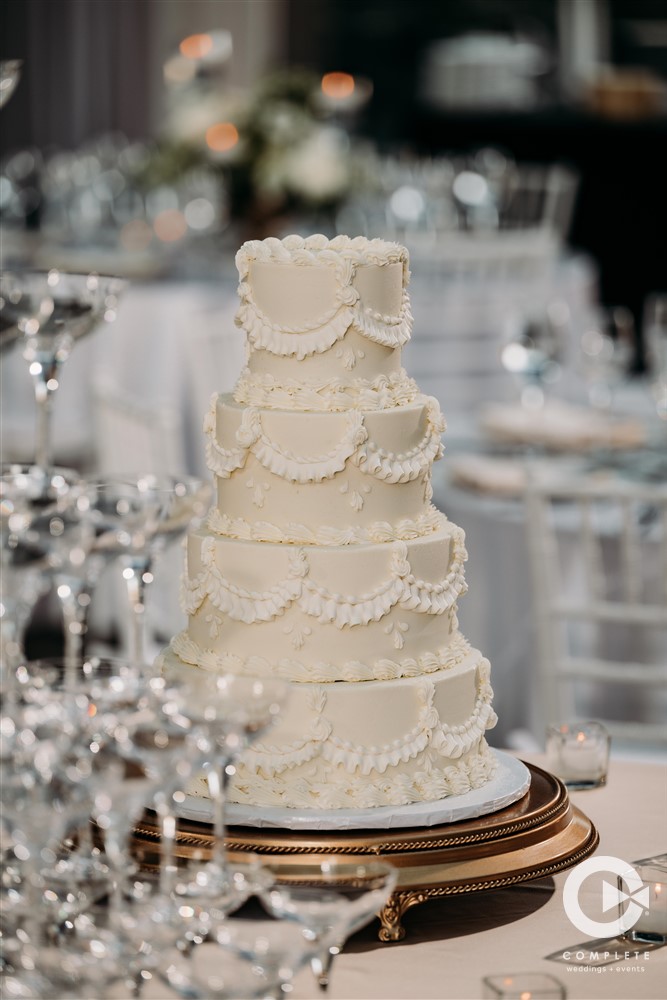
<point>273,145</point>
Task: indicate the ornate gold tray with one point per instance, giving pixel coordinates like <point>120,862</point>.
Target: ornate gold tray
<point>537,836</point>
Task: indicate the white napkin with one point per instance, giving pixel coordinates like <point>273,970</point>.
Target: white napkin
<point>498,476</point>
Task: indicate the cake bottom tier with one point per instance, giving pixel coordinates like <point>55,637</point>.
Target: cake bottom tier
<point>365,744</point>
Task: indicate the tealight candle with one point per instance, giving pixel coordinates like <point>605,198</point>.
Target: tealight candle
<point>523,986</point>
<point>651,924</point>
<point>578,753</point>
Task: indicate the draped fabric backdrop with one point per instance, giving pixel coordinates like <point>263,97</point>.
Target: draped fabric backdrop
<point>92,66</point>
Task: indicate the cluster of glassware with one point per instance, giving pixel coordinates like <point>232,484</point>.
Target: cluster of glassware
<point>105,739</point>
<point>87,744</point>
<point>102,194</point>
<point>86,738</point>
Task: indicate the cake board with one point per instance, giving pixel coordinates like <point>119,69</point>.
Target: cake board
<point>536,836</point>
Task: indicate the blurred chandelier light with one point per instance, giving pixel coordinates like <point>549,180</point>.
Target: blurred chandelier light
<point>343,92</point>
<point>196,46</point>
<point>338,85</point>
<point>211,48</point>
<point>198,54</point>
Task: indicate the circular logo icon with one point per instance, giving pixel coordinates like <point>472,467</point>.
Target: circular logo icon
<point>613,897</point>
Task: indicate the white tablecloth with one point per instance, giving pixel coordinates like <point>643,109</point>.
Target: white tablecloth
<point>453,942</point>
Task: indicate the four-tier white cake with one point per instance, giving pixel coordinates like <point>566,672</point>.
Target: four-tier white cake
<point>324,561</point>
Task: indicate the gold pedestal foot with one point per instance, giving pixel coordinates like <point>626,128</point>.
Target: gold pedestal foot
<point>391,928</point>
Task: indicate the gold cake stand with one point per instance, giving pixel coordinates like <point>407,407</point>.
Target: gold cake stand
<point>541,834</point>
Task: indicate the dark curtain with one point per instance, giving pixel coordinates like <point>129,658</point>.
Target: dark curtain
<point>85,71</point>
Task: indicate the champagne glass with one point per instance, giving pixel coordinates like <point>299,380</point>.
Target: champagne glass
<point>330,900</point>
<point>165,508</point>
<point>229,711</point>
<point>50,311</point>
<point>92,691</point>
<point>26,492</point>
<point>275,949</point>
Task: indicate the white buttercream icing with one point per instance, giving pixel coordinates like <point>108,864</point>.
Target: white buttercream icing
<point>354,445</point>
<point>346,584</point>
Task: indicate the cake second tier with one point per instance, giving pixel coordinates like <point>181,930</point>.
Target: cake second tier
<point>315,613</point>
<point>323,478</point>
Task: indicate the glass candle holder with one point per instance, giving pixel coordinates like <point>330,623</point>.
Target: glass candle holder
<point>578,753</point>
<point>523,986</point>
<point>646,905</point>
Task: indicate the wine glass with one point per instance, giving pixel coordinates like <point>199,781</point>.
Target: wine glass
<point>607,350</point>
<point>50,311</point>
<point>533,348</point>
<point>10,74</point>
<point>330,900</point>
<point>165,508</point>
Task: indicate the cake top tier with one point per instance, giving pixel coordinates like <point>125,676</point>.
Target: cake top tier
<point>318,249</point>
<point>325,321</point>
<point>299,296</point>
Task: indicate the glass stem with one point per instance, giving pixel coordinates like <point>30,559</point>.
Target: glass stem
<point>167,845</point>
<point>135,573</point>
<point>217,786</point>
<point>74,602</point>
<point>43,398</point>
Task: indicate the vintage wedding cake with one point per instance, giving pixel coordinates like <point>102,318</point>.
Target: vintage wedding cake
<point>324,561</point>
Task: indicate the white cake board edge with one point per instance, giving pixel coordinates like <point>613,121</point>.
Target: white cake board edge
<point>510,783</point>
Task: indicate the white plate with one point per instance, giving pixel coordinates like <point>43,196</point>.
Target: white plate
<point>510,782</point>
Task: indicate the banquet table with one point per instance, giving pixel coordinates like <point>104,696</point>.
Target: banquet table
<point>453,942</point>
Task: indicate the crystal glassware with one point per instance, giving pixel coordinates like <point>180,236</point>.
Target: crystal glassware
<point>26,493</point>
<point>533,348</point>
<point>228,712</point>
<point>330,900</point>
<point>165,507</point>
<point>276,950</point>
<point>91,693</point>
<point>607,351</point>
<point>49,311</point>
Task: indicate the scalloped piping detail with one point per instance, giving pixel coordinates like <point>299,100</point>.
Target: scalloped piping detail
<point>400,588</point>
<point>428,784</point>
<point>388,331</point>
<point>187,650</point>
<point>318,249</point>
<point>382,393</point>
<point>354,445</point>
<point>380,531</point>
<point>344,256</point>
<point>404,468</point>
<point>451,741</point>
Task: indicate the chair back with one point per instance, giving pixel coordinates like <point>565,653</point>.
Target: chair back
<point>598,558</point>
